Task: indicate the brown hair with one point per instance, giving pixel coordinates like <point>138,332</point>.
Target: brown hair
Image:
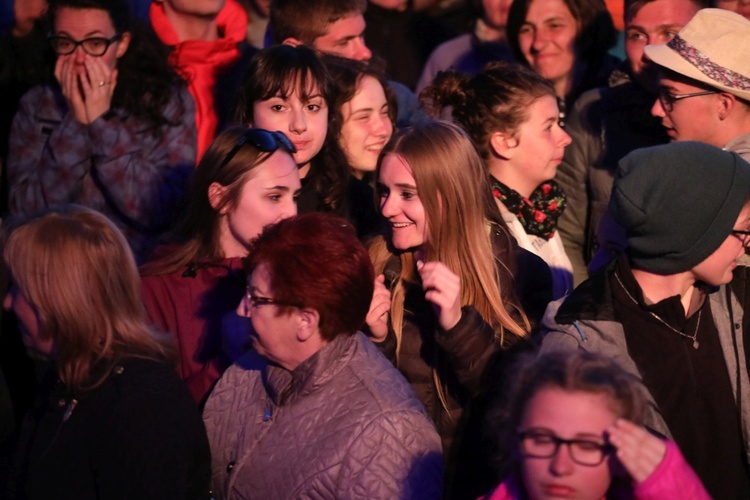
<point>307,20</point>
<point>495,99</point>
<point>75,267</point>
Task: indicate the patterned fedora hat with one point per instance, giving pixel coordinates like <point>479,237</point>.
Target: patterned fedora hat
<point>713,48</point>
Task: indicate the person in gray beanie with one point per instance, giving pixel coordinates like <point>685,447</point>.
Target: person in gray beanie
<point>671,308</point>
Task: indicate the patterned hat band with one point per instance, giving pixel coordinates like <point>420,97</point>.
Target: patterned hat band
<point>715,72</point>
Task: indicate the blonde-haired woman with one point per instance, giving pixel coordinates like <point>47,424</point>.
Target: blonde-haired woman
<point>112,418</point>
<point>444,303</point>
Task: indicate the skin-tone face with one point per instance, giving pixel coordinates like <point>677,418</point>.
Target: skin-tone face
<point>547,41</point>
<point>345,38</point>
<point>533,153</point>
<point>304,121</point>
<point>366,128</point>
<point>400,204</point>
<point>496,13</point>
<point>87,81</point>
<point>273,335</point>
<point>681,123</point>
<point>28,322</point>
<point>196,8</point>
<point>655,23</point>
<point>269,196</point>
<point>194,19</point>
<point>718,267</point>
<point>567,415</point>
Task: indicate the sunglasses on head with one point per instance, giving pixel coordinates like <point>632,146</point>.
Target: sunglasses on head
<point>264,140</point>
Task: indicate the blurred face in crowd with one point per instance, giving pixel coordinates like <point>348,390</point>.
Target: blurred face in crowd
<point>655,23</point>
<point>367,126</point>
<point>195,8</point>
<point>547,40</point>
<point>345,38</point>
<point>552,470</point>
<point>496,13</point>
<point>400,204</point>
<point>268,196</point>
<point>741,7</point>
<point>304,120</point>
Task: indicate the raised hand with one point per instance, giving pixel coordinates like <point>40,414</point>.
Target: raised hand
<point>98,83</point>
<point>442,287</point>
<point>66,74</point>
<point>637,450</point>
<point>380,306</point>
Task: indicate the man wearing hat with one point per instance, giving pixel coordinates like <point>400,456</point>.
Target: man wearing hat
<point>704,92</point>
<point>670,309</point>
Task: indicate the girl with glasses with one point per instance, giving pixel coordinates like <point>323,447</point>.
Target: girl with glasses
<point>574,424</point>
<point>114,132</point>
<point>111,419</point>
<point>246,180</point>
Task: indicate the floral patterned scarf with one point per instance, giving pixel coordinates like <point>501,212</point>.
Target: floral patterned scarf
<point>538,214</point>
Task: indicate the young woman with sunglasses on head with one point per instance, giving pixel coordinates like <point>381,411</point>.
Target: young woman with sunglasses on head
<point>115,133</point>
<point>572,428</point>
<point>246,180</point>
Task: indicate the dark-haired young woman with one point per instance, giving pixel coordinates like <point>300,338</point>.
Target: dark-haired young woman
<point>114,133</point>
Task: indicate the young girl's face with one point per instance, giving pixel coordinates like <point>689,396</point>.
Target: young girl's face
<point>367,126</point>
<point>570,470</point>
<point>400,204</point>
<point>537,146</point>
<point>303,120</point>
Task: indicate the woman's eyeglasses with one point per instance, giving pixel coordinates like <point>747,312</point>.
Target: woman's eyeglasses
<point>94,46</point>
<point>264,140</point>
<point>538,443</point>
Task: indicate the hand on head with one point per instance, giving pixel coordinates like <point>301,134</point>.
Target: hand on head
<point>639,451</point>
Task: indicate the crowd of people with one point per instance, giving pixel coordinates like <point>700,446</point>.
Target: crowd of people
<point>249,254</point>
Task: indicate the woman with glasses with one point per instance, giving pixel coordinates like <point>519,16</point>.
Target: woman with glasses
<point>246,180</point>
<point>111,419</point>
<point>314,410</point>
<point>572,428</point>
<point>114,132</point>
<point>671,308</point>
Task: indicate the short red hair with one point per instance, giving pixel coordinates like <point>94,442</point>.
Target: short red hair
<point>315,260</point>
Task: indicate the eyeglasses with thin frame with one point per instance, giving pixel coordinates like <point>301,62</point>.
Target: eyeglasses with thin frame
<point>536,443</point>
<point>257,300</point>
<point>667,100</point>
<point>742,236</point>
<point>95,46</point>
<point>264,140</point>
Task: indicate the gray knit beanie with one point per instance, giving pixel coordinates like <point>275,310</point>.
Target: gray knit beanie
<point>678,203</point>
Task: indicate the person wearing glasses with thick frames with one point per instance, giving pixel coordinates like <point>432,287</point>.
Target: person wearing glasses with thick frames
<point>246,180</point>
<point>572,427</point>
<point>116,133</point>
<point>706,98</point>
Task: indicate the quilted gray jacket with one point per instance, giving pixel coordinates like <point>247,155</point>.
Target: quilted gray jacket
<point>343,424</point>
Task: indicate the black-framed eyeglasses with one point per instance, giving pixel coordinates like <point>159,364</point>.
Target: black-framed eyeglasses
<point>544,444</point>
<point>264,140</point>
<point>742,236</point>
<point>667,100</point>
<point>94,46</point>
<point>257,300</point>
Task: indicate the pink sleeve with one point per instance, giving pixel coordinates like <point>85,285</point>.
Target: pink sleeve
<point>673,478</point>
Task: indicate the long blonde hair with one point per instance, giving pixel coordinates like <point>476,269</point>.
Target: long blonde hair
<point>75,267</point>
<point>451,182</point>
